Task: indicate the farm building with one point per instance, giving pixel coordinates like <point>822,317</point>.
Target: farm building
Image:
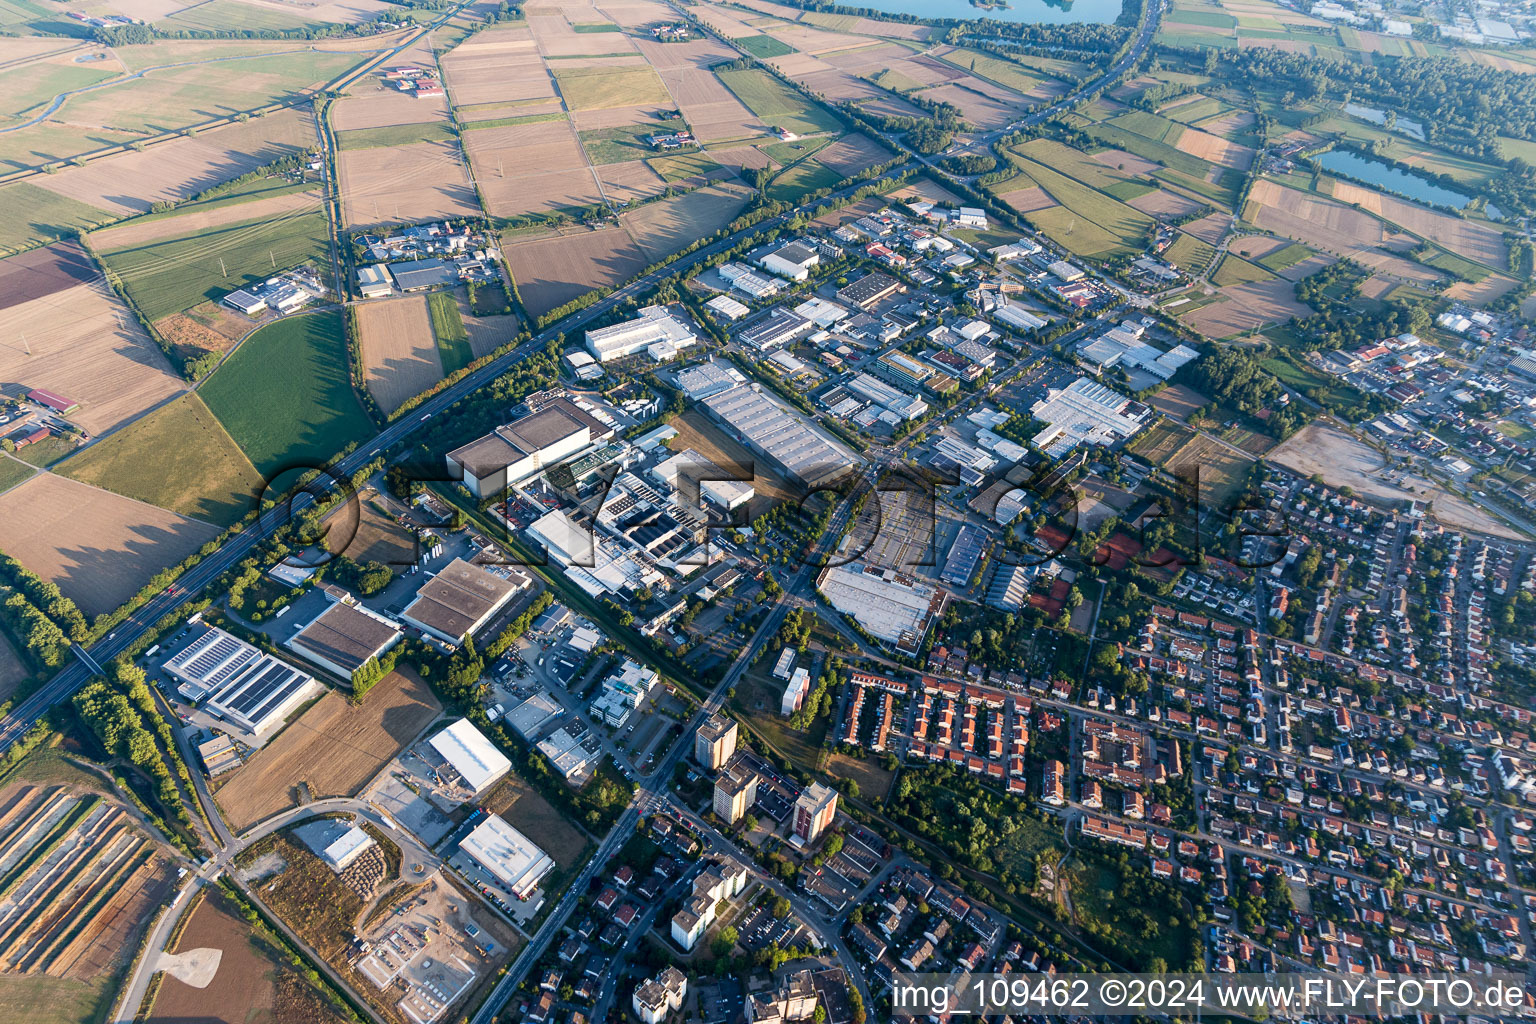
<point>768,427</point>
<point>237,683</point>
<point>507,856</point>
<point>344,638</point>
<point>526,446</point>
<point>469,753</point>
<point>53,400</point>
<point>462,598</point>
<point>655,325</point>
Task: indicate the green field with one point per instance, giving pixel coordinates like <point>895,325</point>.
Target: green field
<point>1125,191</point>
<point>285,395</point>
<point>1073,163</point>
<point>177,457</point>
<point>1149,125</point>
<point>12,472</point>
<point>1284,259</point>
<point>227,15</point>
<point>396,135</point>
<point>802,179</point>
<point>895,81</point>
<point>40,216</point>
<point>507,122</point>
<point>993,69</point>
<point>596,88</point>
<point>778,104</point>
<point>1204,19</point>
<point>1456,265</point>
<point>1121,229</point>
<point>47,451</point>
<point>1150,149</point>
<point>681,166</point>
<point>174,274</point>
<point>787,153</point>
<point>35,85</point>
<point>595,26</point>
<point>1189,254</point>
<point>764,47</point>
<point>1236,270</point>
<point>618,145</point>
<point>448,327</point>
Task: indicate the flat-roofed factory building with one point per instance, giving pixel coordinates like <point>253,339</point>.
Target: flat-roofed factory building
<point>768,427</point>
<point>344,638</point>
<point>251,690</point>
<point>476,760</point>
<point>508,856</point>
<point>525,447</point>
<point>462,598</point>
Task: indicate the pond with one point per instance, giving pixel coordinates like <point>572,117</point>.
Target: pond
<point>1391,178</point>
<point>1402,125</point>
<point>1050,12</point>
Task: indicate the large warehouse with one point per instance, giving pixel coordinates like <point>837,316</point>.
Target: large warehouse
<point>889,605</point>
<point>1085,411</point>
<point>768,427</point>
<point>691,474</point>
<point>526,446</point>
<point>235,682</point>
<point>469,753</point>
<point>462,598</point>
<point>655,325</point>
<point>344,638</point>
<point>507,856</point>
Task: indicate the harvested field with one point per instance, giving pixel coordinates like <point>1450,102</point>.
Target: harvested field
<point>130,182</point>
<point>1178,401</point>
<point>363,532</point>
<point>1215,149</point>
<point>1255,247</point>
<point>521,806</point>
<point>852,154</point>
<point>1483,292</point>
<point>374,104</point>
<point>739,158</point>
<point>552,271</point>
<point>1342,460</point>
<point>617,117</point>
<point>398,349</point>
<point>1469,238</point>
<point>1222,471</point>
<point>155,229</point>
<point>1129,163</point>
<point>663,228</point>
<point>926,189</point>
<point>178,457</point>
<point>1210,228</point>
<point>335,747</point>
<point>84,343</point>
<point>488,333</point>
<point>1028,200</point>
<point>424,181</point>
<point>99,547</point>
<point>1321,223</point>
<point>630,181</point>
<point>531,168</point>
<point>1247,307</point>
<point>982,103</point>
<point>595,87</point>
<point>713,110</point>
<point>252,981</point>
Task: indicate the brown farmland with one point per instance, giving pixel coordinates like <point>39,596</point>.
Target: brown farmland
<point>552,271</point>
<point>672,224</point>
<point>1467,238</point>
<point>419,181</point>
<point>852,154</point>
<point>399,351</point>
<point>99,547</point>
<point>1246,307</point>
<point>335,748</point>
<point>142,232</point>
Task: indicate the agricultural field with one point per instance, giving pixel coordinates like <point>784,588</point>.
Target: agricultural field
<point>448,328</point>
<point>1243,307</point>
<point>1085,221</point>
<point>251,975</point>
<point>800,180</point>
<point>777,104</point>
<point>1189,254</point>
<point>365,532</point>
<point>395,135</point>
<point>624,143</point>
<point>597,88</point>
<point>664,227</point>
<point>50,217</point>
<point>423,181</point>
<point>531,168</point>
<point>99,547</point>
<point>1331,228</point>
<point>63,329</point>
<point>1223,471</point>
<point>335,748</point>
<point>81,880</point>
<point>178,457</point>
<point>684,166</point>
<point>1234,269</point>
<point>399,353</point>
<point>554,270</point>
<point>215,252</point>
<point>285,395</point>
<point>521,806</point>
<point>1472,239</point>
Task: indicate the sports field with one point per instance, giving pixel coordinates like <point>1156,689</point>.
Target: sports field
<point>177,457</point>
<point>285,395</point>
<point>168,276</point>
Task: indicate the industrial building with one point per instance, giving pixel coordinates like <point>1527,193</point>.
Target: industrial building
<point>902,370</point>
<point>899,404</point>
<point>566,753</point>
<point>728,307</point>
<point>462,598</point>
<point>529,718</point>
<point>1085,412</point>
<point>706,379</point>
<point>422,274</point>
<point>694,477</point>
<point>815,810</point>
<point>767,426</point>
<point>477,761</point>
<point>1018,317</point>
<point>890,606</point>
<point>507,856</point>
<point>793,261</point>
<point>350,846</point>
<point>344,638</point>
<point>868,290</point>
<point>374,282</point>
<point>1125,345</point>
<point>654,326</point>
<point>715,742</point>
<point>744,280</point>
<point>964,555</point>
<point>525,447</point>
<point>237,683</point>
<point>775,327</point>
